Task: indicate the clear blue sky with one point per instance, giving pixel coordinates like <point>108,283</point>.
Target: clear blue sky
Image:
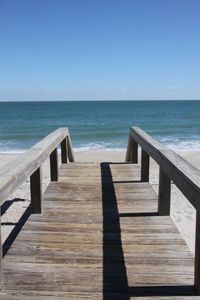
<point>99,49</point>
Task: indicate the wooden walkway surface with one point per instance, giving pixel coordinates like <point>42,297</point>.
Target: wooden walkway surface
<point>98,237</point>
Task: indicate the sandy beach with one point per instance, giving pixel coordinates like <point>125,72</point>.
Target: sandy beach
<point>182,211</point>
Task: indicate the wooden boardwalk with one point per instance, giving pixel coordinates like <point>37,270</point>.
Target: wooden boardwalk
<point>99,237</point>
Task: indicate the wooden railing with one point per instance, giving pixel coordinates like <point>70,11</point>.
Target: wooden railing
<point>172,167</point>
<point>29,164</point>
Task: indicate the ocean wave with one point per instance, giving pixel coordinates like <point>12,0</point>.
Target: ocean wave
<point>185,145</point>
<point>179,143</point>
<point>12,151</point>
<point>108,146</point>
<point>175,144</point>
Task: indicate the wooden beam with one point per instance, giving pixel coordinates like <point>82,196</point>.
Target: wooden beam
<point>182,173</point>
<point>54,165</point>
<point>1,269</point>
<point>70,149</point>
<point>17,171</point>
<point>134,156</point>
<point>164,194</point>
<point>129,149</point>
<point>64,151</point>
<point>36,191</point>
<point>197,254</point>
<point>144,166</point>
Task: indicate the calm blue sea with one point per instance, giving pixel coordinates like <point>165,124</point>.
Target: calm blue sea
<point>99,124</point>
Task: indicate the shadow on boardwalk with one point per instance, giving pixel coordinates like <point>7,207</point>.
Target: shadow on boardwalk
<point>115,281</point>
<point>17,226</point>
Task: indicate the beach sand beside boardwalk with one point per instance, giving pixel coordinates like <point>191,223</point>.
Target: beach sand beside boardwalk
<point>182,211</point>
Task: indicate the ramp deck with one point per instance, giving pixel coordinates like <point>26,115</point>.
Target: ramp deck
<point>99,237</point>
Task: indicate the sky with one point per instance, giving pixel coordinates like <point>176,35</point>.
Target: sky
<point>99,50</point>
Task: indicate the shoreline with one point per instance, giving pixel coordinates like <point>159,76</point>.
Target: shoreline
<point>178,150</point>
<point>182,211</point>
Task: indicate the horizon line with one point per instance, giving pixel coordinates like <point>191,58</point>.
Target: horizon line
<point>98,100</point>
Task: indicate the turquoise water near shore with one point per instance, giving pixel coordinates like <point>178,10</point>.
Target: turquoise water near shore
<point>100,124</point>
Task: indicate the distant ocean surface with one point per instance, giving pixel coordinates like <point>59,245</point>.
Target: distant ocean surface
<point>100,124</point>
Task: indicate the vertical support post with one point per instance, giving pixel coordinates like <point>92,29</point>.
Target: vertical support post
<point>197,253</point>
<point>1,255</point>
<point>36,191</point>
<point>144,166</point>
<point>64,151</point>
<point>69,150</point>
<point>164,194</point>
<point>129,149</point>
<point>134,154</point>
<point>54,165</point>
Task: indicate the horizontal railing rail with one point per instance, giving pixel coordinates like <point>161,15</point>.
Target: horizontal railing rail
<point>172,167</point>
<point>17,171</point>
<point>29,164</point>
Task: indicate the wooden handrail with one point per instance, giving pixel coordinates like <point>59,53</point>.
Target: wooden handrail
<point>180,171</point>
<point>28,165</point>
<point>17,171</point>
<point>172,168</point>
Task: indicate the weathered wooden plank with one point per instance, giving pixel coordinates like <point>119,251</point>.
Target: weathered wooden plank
<point>88,249</point>
<point>52,295</point>
<point>84,281</point>
<point>95,236</point>
<point>152,264</point>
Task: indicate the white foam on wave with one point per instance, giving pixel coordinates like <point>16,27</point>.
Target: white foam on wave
<point>179,143</point>
<point>83,149</point>
<point>175,144</point>
<point>12,151</point>
<point>185,145</point>
<point>108,146</point>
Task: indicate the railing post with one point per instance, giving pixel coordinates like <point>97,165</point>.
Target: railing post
<point>69,149</point>
<point>132,150</point>
<point>164,193</point>
<point>1,254</point>
<point>129,149</point>
<point>134,153</point>
<point>36,191</point>
<point>64,151</point>
<point>197,253</point>
<point>54,165</point>
<point>144,166</point>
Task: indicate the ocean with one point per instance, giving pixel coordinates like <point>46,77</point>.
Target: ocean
<point>100,124</point>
